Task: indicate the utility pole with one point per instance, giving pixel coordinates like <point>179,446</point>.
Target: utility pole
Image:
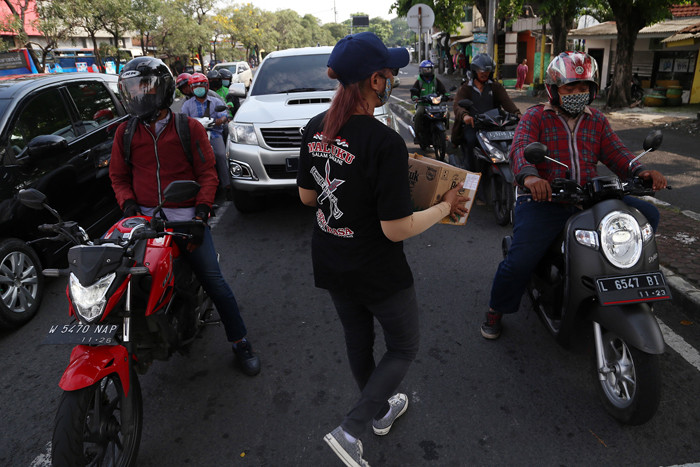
<point>491,29</point>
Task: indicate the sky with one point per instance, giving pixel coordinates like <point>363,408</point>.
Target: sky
<point>329,11</point>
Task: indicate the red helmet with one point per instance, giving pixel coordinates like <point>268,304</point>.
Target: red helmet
<point>182,80</point>
<point>570,67</point>
<point>198,79</point>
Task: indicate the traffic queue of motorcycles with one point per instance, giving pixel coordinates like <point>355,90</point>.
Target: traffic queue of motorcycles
<point>132,300</point>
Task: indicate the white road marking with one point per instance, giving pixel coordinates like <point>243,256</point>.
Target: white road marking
<point>679,344</point>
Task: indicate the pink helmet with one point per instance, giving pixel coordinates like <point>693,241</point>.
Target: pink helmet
<point>570,67</point>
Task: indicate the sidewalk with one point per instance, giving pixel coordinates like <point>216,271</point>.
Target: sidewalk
<point>678,237</point>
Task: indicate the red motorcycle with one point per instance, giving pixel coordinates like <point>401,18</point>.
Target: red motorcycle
<point>132,300</point>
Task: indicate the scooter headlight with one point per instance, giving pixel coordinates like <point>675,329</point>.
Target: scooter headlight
<point>620,239</point>
<point>495,154</point>
<point>90,301</point>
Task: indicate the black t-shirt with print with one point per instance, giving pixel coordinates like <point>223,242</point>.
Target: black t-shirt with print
<point>361,178</point>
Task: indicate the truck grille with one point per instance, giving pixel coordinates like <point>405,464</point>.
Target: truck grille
<point>282,138</point>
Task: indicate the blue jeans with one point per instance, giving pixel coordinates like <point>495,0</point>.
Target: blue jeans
<point>206,267</point>
<point>398,316</point>
<point>536,225</point>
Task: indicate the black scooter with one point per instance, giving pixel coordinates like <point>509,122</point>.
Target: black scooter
<point>604,269</point>
<point>435,123</point>
<point>495,131</point>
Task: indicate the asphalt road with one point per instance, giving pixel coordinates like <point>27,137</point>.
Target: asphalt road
<point>519,401</point>
<point>522,400</point>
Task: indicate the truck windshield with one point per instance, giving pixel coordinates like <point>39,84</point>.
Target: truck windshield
<point>295,73</point>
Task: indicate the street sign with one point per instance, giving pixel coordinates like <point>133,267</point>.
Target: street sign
<point>420,18</point>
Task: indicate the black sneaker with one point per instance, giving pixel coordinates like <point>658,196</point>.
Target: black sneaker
<point>249,363</point>
<point>491,329</point>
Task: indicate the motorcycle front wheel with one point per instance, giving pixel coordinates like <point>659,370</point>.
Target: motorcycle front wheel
<point>98,425</point>
<point>630,388</point>
<point>503,199</point>
<point>440,145</point>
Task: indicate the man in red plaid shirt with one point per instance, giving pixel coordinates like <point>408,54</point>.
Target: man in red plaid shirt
<point>578,136</point>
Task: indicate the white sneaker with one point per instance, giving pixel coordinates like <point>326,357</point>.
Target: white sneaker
<point>348,452</point>
<point>398,403</point>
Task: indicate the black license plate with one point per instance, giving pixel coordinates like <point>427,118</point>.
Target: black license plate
<point>500,135</point>
<point>619,290</point>
<point>88,334</point>
<point>292,164</point>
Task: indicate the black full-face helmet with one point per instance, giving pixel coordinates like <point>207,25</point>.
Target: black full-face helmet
<point>482,62</point>
<point>147,87</point>
<point>214,79</point>
<point>226,77</point>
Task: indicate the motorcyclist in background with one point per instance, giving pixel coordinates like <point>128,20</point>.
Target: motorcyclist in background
<point>182,83</point>
<point>426,84</point>
<point>204,105</point>
<point>486,94</point>
<point>232,102</point>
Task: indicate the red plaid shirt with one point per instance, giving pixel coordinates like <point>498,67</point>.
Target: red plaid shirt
<point>592,140</point>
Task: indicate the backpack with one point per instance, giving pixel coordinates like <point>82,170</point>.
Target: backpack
<point>182,128</point>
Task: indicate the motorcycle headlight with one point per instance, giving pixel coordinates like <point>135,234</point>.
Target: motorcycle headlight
<point>90,301</point>
<point>242,133</point>
<point>620,239</point>
<point>436,100</point>
<point>495,154</point>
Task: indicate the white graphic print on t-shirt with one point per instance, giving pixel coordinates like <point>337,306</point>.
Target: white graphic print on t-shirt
<point>328,184</point>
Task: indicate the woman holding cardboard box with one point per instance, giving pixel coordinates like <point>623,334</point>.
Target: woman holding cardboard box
<point>354,170</point>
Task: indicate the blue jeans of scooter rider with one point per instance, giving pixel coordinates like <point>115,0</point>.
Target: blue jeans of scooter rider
<point>536,225</point>
<point>204,262</point>
<point>470,141</point>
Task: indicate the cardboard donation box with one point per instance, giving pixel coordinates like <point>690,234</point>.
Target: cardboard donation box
<point>429,179</point>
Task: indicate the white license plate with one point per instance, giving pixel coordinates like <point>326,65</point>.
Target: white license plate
<point>87,334</point>
<point>619,290</point>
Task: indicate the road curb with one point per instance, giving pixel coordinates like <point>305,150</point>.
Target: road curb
<point>685,294</point>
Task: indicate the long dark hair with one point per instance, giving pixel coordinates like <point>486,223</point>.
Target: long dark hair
<point>345,104</point>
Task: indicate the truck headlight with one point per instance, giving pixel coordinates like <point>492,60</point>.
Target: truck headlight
<point>243,133</point>
<point>620,239</point>
<point>90,301</point>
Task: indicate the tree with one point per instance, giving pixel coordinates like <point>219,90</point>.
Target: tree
<point>630,17</point>
<point>115,19</point>
<point>144,18</point>
<point>56,22</point>
<point>17,22</point>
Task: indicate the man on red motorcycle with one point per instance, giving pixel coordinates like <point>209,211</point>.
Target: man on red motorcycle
<point>486,94</point>
<point>158,158</point>
<point>576,135</point>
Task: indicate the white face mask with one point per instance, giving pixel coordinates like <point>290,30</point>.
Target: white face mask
<point>574,104</point>
<point>384,97</point>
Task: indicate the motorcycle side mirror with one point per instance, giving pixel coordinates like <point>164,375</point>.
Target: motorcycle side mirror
<point>466,103</point>
<point>536,153</point>
<point>35,199</point>
<point>47,146</point>
<point>32,198</point>
<point>653,140</point>
<point>220,108</point>
<point>181,190</point>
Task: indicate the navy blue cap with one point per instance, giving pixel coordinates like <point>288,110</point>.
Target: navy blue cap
<point>357,56</point>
